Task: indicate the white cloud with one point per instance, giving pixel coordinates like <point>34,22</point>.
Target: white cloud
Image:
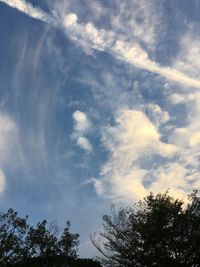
<point>70,20</point>
<point>101,39</point>
<point>139,24</point>
<point>28,9</point>
<point>135,132</point>
<point>109,40</point>
<point>188,57</point>
<point>133,138</point>
<point>189,135</point>
<point>82,123</point>
<point>194,139</point>
<point>137,56</point>
<point>172,176</point>
<point>84,143</point>
<point>8,139</point>
<point>134,143</point>
<point>158,116</point>
<point>2,181</point>
<point>81,126</point>
<point>177,98</point>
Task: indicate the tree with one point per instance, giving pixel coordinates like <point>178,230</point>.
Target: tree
<point>40,242</point>
<point>157,231</point>
<point>68,242</point>
<point>12,233</point>
<point>20,242</point>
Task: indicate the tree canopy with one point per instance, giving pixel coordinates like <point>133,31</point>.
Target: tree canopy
<point>157,231</point>
<point>22,245</point>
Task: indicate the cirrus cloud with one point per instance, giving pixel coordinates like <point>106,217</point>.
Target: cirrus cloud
<point>89,36</point>
<point>8,144</point>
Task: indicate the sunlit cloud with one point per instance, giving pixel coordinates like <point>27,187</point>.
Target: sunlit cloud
<point>133,143</point>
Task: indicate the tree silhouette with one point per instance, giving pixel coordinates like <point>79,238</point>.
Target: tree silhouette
<point>68,242</point>
<point>157,231</point>
<point>13,230</point>
<point>21,243</point>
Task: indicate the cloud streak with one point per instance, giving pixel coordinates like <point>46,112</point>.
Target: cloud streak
<point>138,57</point>
<point>90,36</point>
<point>28,9</point>
<point>8,144</point>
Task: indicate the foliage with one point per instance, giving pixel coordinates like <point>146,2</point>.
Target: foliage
<point>58,261</point>
<point>20,242</point>
<point>157,231</point>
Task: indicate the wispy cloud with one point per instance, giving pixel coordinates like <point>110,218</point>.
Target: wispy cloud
<point>138,57</point>
<point>187,59</point>
<point>133,53</point>
<point>107,40</point>
<point>137,146</point>
<point>8,144</point>
<point>28,9</point>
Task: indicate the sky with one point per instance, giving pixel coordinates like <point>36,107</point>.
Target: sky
<point>99,104</point>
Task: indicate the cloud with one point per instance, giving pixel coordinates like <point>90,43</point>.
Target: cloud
<point>81,121</point>
<point>28,9</point>
<point>8,133</point>
<point>137,56</point>
<point>173,176</point>
<point>84,143</point>
<point>157,115</point>
<point>81,126</point>
<point>169,160</point>
<point>139,146</point>
<point>90,36</point>
<point>8,146</point>
<point>188,137</point>
<point>70,20</point>
<point>2,181</point>
<point>131,52</point>
<point>188,57</point>
<point>176,98</point>
<point>142,25</point>
<point>194,139</point>
<point>140,161</point>
<point>133,143</point>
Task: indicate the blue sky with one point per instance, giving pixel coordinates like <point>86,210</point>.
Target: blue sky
<point>99,104</point>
